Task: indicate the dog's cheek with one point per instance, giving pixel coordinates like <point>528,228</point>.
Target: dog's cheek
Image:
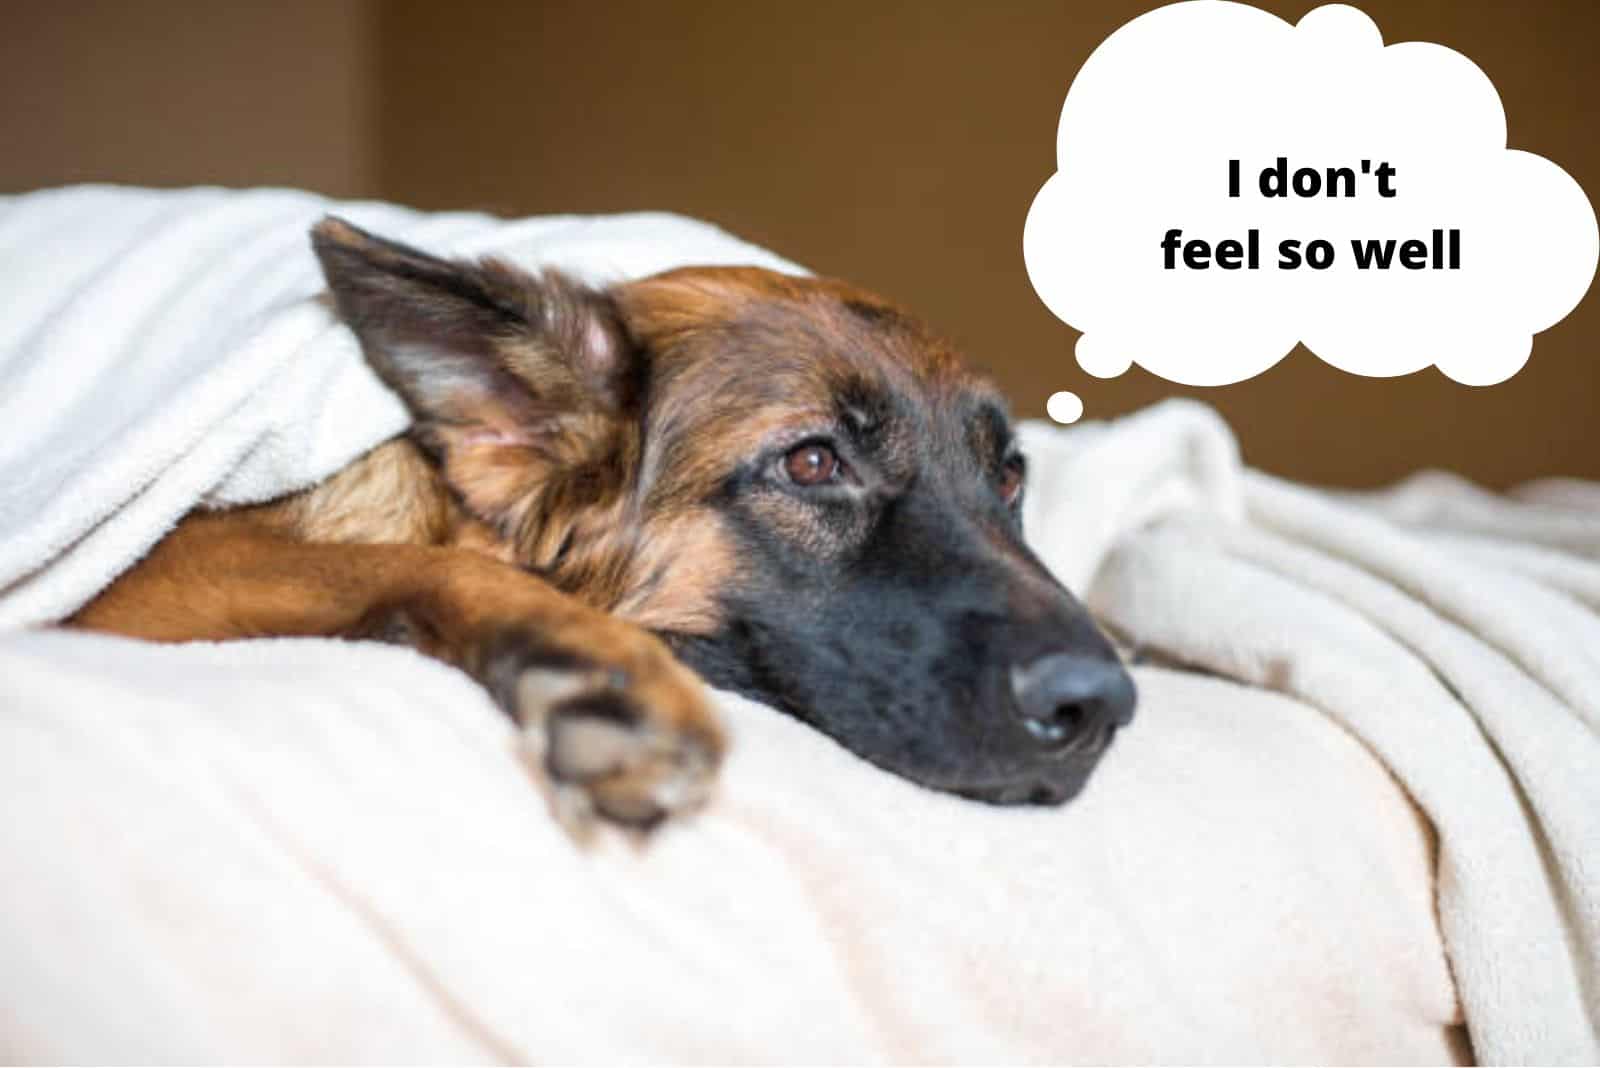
<point>677,574</point>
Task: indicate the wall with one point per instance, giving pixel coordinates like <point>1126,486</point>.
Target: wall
<point>180,92</point>
<point>897,145</point>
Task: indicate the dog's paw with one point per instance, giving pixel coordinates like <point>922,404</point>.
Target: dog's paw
<point>631,742</point>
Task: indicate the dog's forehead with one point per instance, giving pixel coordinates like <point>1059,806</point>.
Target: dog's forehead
<point>810,344</point>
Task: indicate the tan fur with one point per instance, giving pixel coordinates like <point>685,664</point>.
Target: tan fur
<point>392,495</point>
<point>677,573</point>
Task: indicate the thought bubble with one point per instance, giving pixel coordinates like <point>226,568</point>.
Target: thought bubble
<point>1229,184</point>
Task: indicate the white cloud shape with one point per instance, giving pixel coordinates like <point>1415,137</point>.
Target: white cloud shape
<point>1146,135</point>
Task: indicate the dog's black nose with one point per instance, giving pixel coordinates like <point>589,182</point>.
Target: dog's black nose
<point>1068,701</point>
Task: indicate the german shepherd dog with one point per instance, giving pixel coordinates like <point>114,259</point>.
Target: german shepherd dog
<point>784,485</point>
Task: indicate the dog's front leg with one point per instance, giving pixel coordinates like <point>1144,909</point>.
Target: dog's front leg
<point>621,729</point>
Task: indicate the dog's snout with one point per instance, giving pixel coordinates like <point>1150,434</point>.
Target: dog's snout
<point>1068,701</point>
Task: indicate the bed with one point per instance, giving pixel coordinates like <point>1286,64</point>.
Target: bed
<point>1356,820</point>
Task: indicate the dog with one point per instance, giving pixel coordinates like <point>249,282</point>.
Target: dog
<point>782,486</point>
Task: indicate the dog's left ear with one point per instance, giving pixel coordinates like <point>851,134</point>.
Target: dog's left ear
<point>511,378</point>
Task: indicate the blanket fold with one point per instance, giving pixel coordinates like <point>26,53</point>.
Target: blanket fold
<point>1471,668</point>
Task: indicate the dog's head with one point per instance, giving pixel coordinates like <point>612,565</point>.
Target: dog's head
<point>804,491</point>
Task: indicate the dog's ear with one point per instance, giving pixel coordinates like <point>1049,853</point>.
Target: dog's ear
<point>509,376</point>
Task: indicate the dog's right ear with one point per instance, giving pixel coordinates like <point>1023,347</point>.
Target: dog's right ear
<point>510,377</point>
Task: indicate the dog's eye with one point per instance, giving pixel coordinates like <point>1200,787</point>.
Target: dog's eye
<point>811,464</point>
<point>1012,476</point>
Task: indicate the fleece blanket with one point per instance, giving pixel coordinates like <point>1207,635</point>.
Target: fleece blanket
<point>295,851</point>
<point>1355,821</point>
<point>1453,631</point>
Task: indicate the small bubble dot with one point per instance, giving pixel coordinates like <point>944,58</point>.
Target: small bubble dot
<point>1064,407</point>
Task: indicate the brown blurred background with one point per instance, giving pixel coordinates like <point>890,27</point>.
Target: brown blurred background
<point>898,145</point>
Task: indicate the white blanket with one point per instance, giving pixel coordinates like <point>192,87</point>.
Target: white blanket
<point>310,850</point>
<point>301,851</point>
<point>1455,633</point>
